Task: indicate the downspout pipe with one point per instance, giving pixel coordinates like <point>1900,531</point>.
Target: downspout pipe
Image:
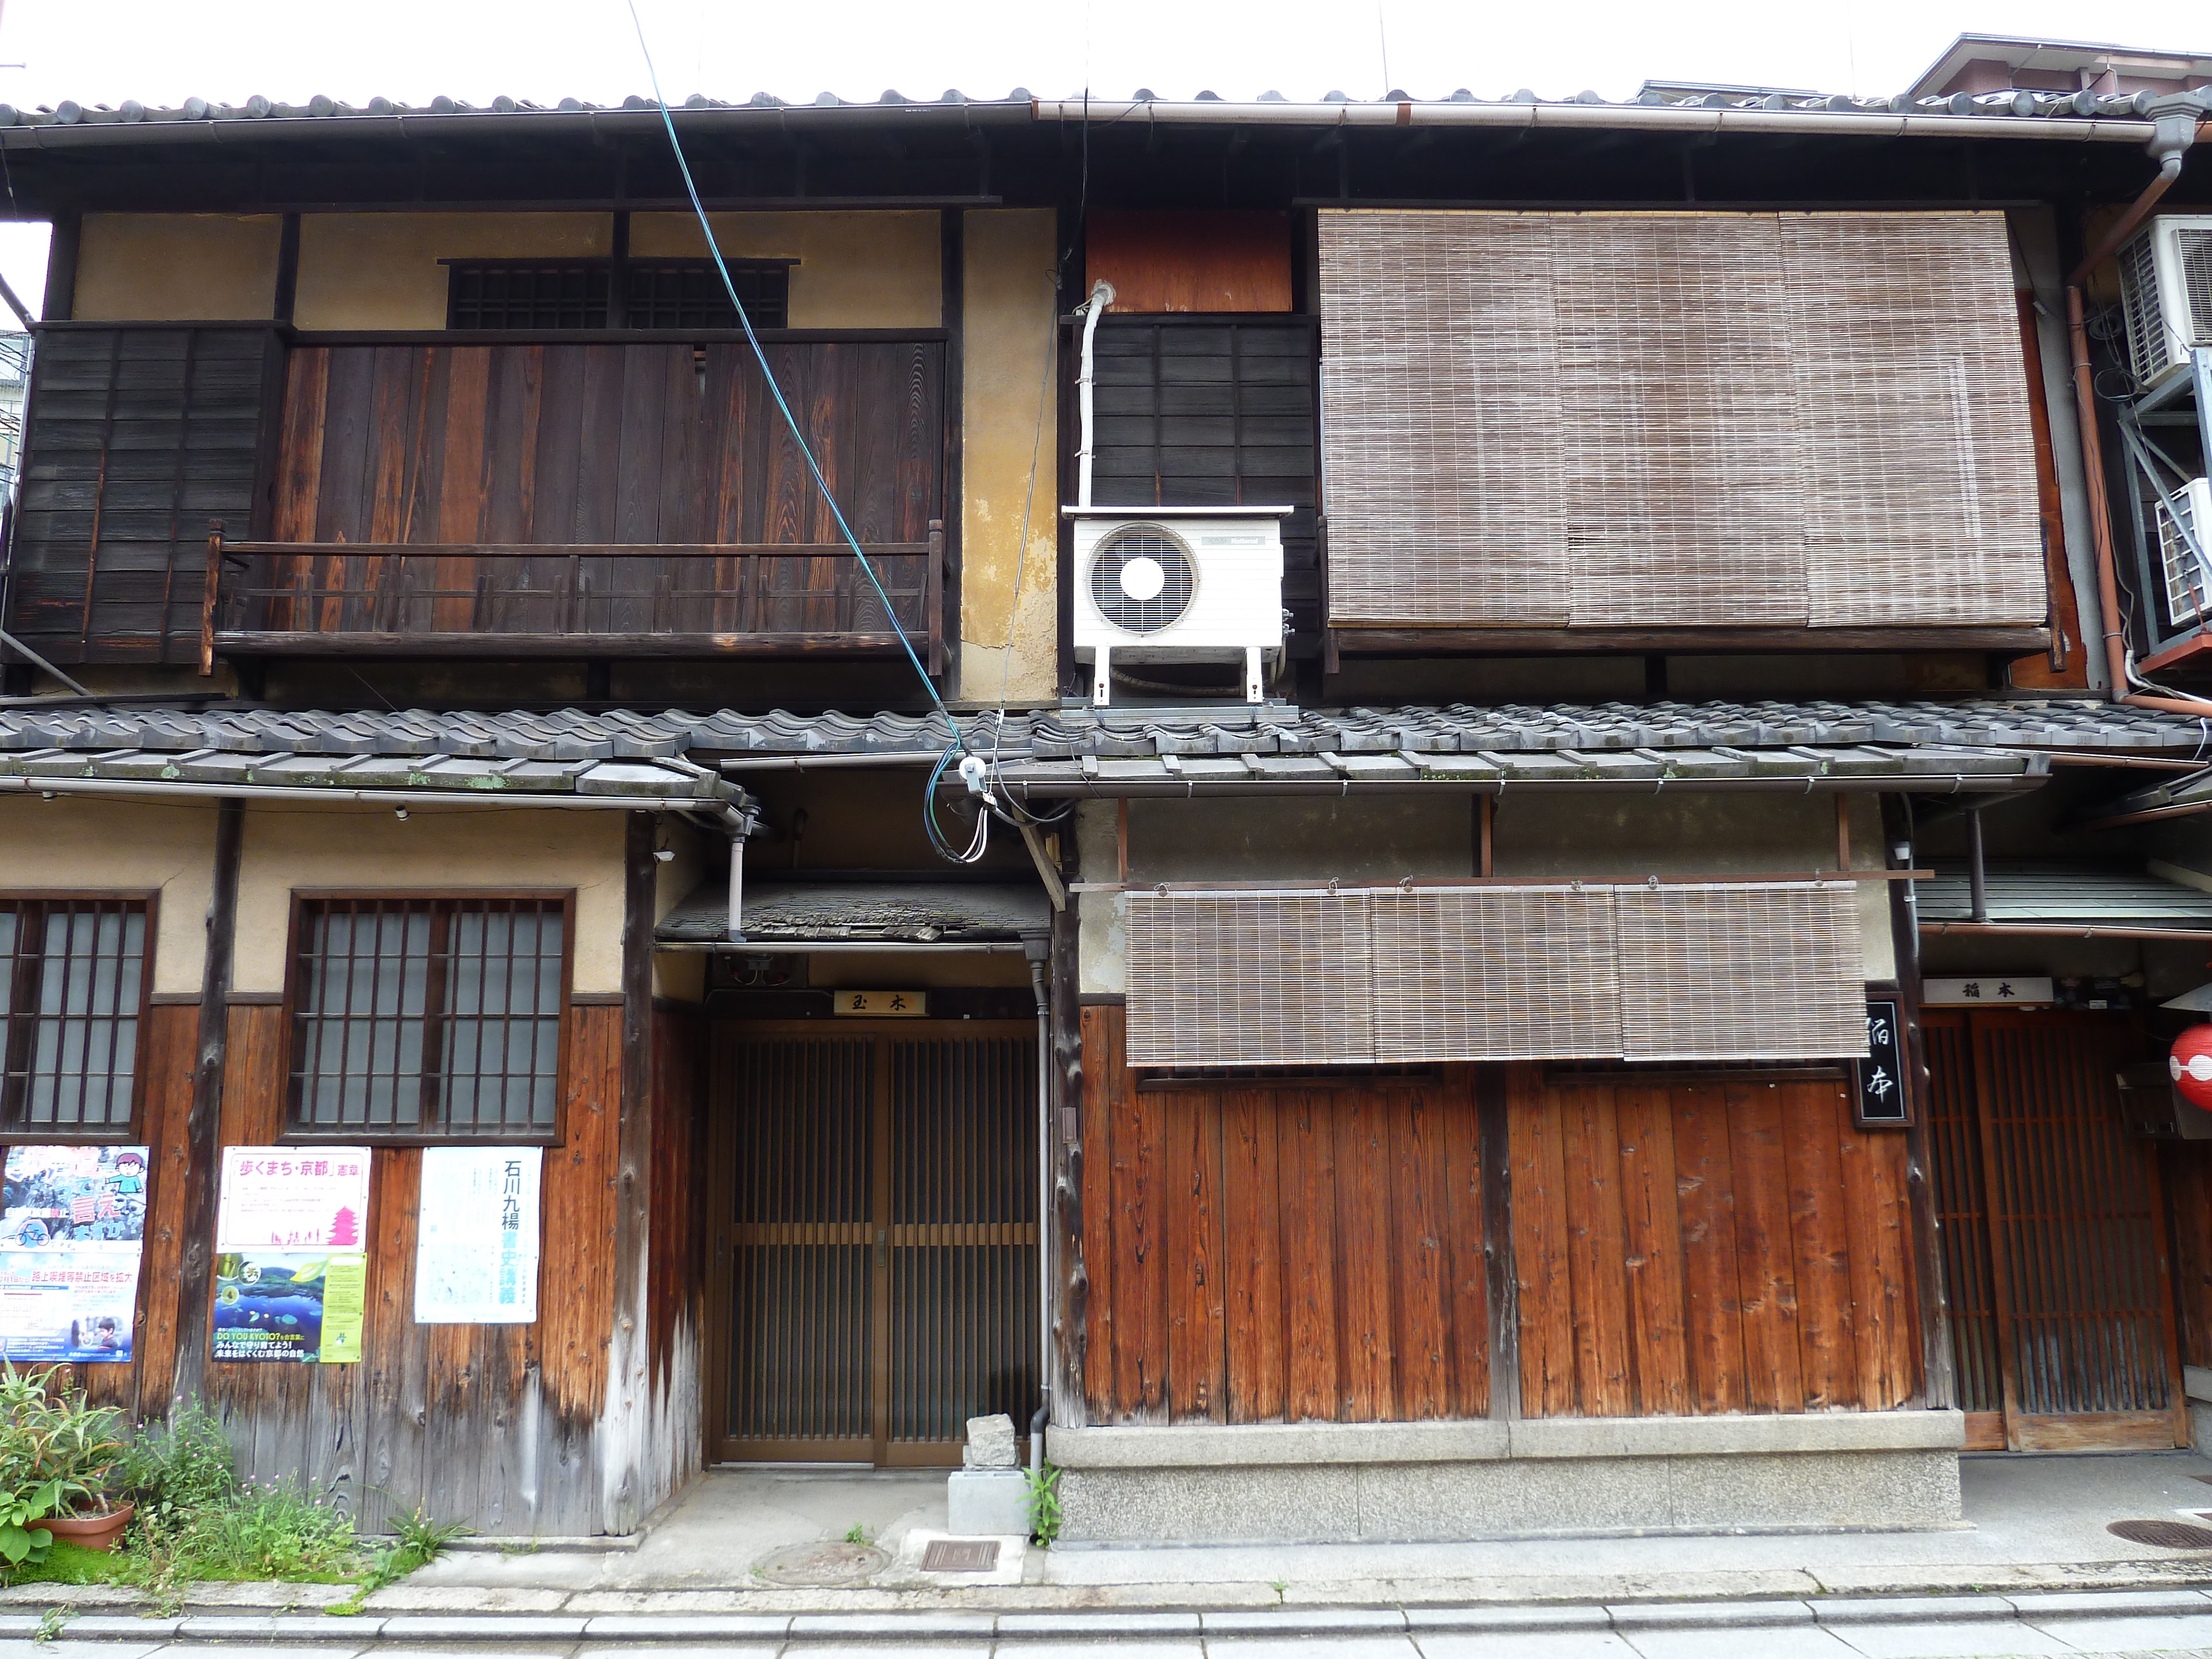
<point>1036,951</point>
<point>2174,133</point>
<point>1101,295</point>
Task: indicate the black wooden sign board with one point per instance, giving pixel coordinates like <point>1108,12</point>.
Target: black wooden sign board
<point>1883,1102</point>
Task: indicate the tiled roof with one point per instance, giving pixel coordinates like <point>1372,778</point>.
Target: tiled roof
<point>1132,732</point>
<point>1020,102</point>
<point>902,912</point>
<point>2060,895</point>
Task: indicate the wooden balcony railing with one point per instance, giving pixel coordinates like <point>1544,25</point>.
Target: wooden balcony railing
<point>341,598</point>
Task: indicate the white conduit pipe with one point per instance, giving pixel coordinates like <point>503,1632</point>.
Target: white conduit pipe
<point>1650,117</point>
<point>1101,295</point>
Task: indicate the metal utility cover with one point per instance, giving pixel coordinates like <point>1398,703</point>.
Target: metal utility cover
<point>961,1555</point>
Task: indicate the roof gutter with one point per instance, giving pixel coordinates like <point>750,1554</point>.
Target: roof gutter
<point>1926,783</point>
<point>1584,117</point>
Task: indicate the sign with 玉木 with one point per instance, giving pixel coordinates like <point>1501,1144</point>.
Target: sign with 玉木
<point>1883,1102</point>
<point>476,1235</point>
<point>883,1005</point>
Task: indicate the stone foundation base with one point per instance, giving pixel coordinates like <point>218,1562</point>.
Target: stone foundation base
<point>1430,1482</point>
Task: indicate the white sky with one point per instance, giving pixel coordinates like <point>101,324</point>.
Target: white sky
<point>162,52</point>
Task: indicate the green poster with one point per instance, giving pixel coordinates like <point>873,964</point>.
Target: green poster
<point>345,1299</point>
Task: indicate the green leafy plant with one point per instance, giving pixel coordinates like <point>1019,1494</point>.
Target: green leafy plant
<point>417,1540</point>
<point>54,1448</point>
<point>179,1469</point>
<point>51,1623</point>
<point>1044,1504</point>
<point>18,1507</point>
<point>856,1533</point>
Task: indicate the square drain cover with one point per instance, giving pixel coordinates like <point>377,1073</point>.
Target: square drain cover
<point>961,1555</point>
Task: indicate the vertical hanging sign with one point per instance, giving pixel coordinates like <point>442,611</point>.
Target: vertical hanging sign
<point>476,1251</point>
<point>291,1274</point>
<point>1882,1102</point>
<point>72,1226</point>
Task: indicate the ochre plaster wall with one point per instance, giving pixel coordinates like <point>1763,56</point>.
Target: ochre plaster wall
<point>1008,427</point>
<point>377,271</point>
<point>121,846</point>
<point>436,849</point>
<point>176,267</point>
<point>855,270</point>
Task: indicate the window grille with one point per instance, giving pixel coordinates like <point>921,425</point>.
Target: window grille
<point>72,993</point>
<point>599,294</point>
<point>689,293</point>
<point>483,294</point>
<point>428,1018</point>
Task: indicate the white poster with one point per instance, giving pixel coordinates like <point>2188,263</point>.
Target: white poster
<point>475,1250</point>
<point>293,1198</point>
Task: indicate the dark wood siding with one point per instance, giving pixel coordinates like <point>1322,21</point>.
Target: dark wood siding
<point>1214,412</point>
<point>136,437</point>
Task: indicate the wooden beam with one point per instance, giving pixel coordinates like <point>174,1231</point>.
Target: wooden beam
<point>629,1352</point>
<point>1493,1107</point>
<point>238,643</point>
<point>1939,1386</point>
<point>203,1127</point>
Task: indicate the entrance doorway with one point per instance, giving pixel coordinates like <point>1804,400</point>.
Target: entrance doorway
<point>2054,1235</point>
<point>873,1197</point>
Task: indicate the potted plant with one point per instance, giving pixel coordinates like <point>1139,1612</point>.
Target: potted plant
<point>57,1454</point>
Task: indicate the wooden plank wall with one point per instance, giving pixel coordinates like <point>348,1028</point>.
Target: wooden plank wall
<point>1703,1247</point>
<point>608,444</point>
<point>493,1425</point>
<point>1279,1254</point>
<point>2188,1170</point>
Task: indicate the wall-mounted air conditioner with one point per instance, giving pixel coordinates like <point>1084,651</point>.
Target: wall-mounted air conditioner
<point>1178,585</point>
<point>2166,293</point>
<point>2183,522</point>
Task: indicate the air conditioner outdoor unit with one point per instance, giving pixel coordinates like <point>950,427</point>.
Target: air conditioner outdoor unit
<point>1191,584</point>
<point>2166,295</point>
<point>2183,521</point>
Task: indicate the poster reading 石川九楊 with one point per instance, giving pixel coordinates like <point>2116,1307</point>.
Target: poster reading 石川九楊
<point>72,1226</point>
<point>476,1251</point>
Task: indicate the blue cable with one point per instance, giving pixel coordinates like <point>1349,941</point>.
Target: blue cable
<point>798,437</point>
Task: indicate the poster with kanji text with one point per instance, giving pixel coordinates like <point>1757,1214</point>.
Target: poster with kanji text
<point>476,1251</point>
<point>293,1198</point>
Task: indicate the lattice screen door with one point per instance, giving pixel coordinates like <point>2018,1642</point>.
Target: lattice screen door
<point>2054,1235</point>
<point>873,1196</point>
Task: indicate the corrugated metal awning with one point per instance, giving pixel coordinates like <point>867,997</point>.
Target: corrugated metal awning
<point>795,915</point>
<point>2064,896</point>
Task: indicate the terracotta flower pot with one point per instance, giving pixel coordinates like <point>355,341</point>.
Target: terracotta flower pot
<point>92,1531</point>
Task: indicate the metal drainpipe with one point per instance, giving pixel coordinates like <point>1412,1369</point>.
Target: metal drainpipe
<point>1037,988</point>
<point>2171,146</point>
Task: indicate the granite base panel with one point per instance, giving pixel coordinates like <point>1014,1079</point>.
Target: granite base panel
<point>1439,1502</point>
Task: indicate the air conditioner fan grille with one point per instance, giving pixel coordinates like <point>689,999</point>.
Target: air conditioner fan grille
<point>1142,578</point>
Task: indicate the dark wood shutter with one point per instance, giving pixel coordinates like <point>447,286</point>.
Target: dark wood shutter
<point>1674,419</point>
<point>134,437</point>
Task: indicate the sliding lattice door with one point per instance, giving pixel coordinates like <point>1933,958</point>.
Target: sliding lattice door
<point>874,1191</point>
<point>2054,1235</point>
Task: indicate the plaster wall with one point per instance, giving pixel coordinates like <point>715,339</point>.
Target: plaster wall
<point>855,270</point>
<point>1008,440</point>
<point>436,849</point>
<point>178,267</point>
<point>381,271</point>
<point>121,846</point>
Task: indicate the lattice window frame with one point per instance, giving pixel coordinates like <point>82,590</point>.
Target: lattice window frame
<point>434,1027</point>
<point>24,1023</point>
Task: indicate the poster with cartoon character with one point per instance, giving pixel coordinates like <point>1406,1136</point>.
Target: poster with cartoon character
<point>303,1307</point>
<point>72,1225</point>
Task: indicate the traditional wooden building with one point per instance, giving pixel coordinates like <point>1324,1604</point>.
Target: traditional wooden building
<point>1560,874</point>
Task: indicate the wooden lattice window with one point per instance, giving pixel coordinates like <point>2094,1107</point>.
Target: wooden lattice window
<point>600,294</point>
<point>688,292</point>
<point>427,1018</point>
<point>73,986</point>
<point>527,293</point>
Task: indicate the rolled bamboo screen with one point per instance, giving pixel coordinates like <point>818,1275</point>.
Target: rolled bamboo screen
<point>1694,418</point>
<point>1391,976</point>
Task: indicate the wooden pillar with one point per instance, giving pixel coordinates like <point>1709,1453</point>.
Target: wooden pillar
<point>1939,1376</point>
<point>630,1352</point>
<point>203,1127</point>
<point>1070,1294</point>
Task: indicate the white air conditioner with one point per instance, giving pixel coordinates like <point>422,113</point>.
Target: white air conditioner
<point>1178,585</point>
<point>2183,518</point>
<point>2166,293</point>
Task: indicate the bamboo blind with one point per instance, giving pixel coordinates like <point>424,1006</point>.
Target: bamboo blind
<point>1740,971</point>
<point>1440,399</point>
<point>1250,979</point>
<point>1494,973</point>
<point>1692,418</point>
<point>1392,976</point>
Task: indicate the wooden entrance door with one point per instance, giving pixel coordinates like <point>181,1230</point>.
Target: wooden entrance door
<point>873,1191</point>
<point>2054,1235</point>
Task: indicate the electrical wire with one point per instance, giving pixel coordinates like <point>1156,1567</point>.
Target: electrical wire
<point>980,841</point>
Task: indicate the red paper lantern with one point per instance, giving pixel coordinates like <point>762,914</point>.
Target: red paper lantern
<point>2190,1064</point>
